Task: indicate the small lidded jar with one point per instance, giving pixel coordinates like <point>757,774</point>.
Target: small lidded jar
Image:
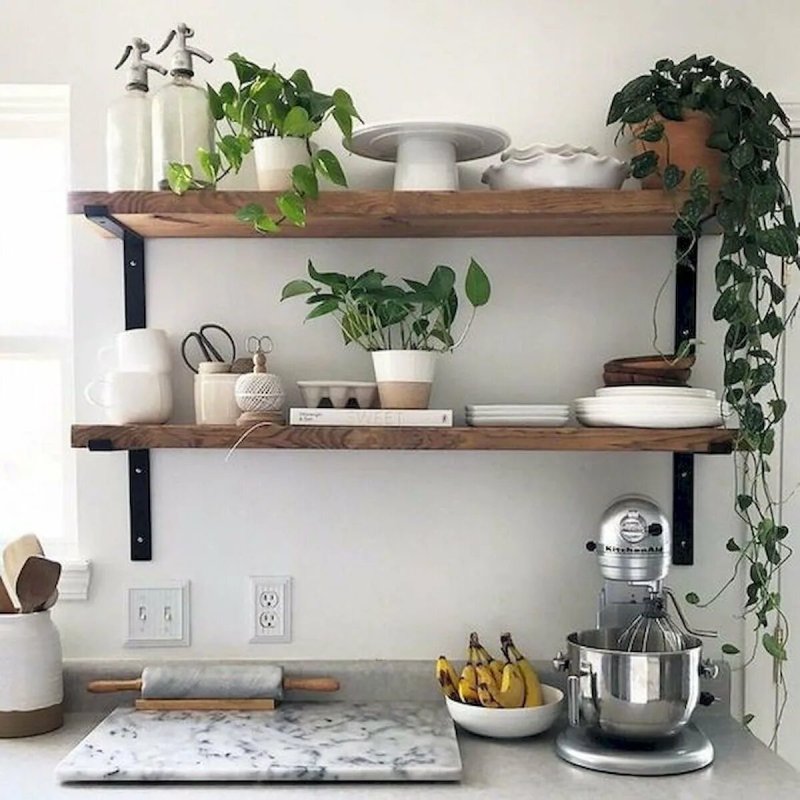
<point>31,675</point>
<point>259,394</point>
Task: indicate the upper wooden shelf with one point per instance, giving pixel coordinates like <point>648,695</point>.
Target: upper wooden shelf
<point>348,214</point>
<point>279,437</point>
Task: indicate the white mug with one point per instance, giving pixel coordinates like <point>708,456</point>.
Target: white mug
<point>132,397</point>
<point>215,398</point>
<point>137,350</point>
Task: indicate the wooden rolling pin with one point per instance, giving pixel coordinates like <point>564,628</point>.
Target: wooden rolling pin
<point>227,685</point>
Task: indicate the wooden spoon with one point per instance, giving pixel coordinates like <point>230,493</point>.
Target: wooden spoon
<point>17,553</point>
<point>36,583</point>
<point>6,604</point>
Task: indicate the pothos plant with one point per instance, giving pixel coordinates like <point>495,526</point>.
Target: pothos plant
<point>381,316</point>
<point>759,242</point>
<point>265,103</point>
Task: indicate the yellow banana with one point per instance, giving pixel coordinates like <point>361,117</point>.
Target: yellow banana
<point>468,683</point>
<point>533,689</point>
<point>495,665</point>
<point>447,677</point>
<point>486,687</point>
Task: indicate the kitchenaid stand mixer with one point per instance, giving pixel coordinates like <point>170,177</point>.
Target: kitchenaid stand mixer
<point>634,681</point>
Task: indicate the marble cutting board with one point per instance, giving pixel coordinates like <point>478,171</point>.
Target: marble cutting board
<point>297,742</point>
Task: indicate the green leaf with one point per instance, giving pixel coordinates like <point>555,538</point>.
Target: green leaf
<point>301,80</point>
<point>644,164</point>
<point>673,175</point>
<point>330,168</point>
<point>293,207</point>
<point>295,288</point>
<point>781,532</point>
<point>653,132</point>
<point>250,213</point>
<point>328,307</point>
<point>333,279</point>
<point>742,155</point>
<point>266,224</point>
<point>477,287</point>
<point>723,272</point>
<point>773,647</point>
<point>214,103</point>
<point>744,501</point>
<point>763,198</point>
<point>730,545</point>
<point>692,598</point>
<point>246,71</point>
<point>778,407</point>
<point>441,283</point>
<point>343,101</point>
<point>296,122</point>
<point>730,650</point>
<point>180,177</point>
<point>305,181</point>
<point>779,241</point>
<point>209,163</point>
<point>344,121</point>
<point>720,141</point>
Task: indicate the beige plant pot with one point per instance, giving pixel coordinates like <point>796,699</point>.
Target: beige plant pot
<point>404,377</point>
<point>687,149</point>
<point>275,160</point>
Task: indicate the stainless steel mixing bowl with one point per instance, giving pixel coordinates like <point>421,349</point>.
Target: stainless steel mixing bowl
<point>628,695</point>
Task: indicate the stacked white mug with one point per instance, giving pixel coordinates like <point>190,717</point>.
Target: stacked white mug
<point>137,386</point>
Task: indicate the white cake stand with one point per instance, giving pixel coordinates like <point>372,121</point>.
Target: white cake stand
<point>426,153</point>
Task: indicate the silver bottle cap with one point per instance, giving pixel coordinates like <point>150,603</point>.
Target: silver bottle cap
<point>137,69</point>
<point>182,57</point>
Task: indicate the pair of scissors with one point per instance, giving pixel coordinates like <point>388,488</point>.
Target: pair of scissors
<point>259,344</point>
<point>208,350</point>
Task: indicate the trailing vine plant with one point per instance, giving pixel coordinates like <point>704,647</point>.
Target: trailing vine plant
<point>759,243</point>
<point>264,103</point>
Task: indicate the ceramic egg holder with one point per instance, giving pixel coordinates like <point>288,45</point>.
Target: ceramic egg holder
<point>260,394</point>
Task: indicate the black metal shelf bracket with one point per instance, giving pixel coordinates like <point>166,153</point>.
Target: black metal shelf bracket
<point>133,266</point>
<point>683,463</point>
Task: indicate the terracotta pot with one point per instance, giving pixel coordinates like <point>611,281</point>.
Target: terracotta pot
<point>687,149</point>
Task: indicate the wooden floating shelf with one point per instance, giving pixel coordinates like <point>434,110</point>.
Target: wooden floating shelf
<point>279,437</point>
<point>343,214</point>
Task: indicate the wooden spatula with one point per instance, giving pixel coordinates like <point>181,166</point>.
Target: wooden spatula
<point>36,583</point>
<point>17,553</point>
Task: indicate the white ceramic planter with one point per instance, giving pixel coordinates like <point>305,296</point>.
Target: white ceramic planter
<point>404,377</point>
<point>31,678</point>
<point>275,160</point>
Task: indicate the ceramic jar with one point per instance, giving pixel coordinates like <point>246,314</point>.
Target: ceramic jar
<point>276,157</point>
<point>404,377</point>
<point>31,677</point>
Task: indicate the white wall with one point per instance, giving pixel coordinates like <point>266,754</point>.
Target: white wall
<point>395,555</point>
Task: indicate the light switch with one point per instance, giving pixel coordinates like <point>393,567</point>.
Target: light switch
<point>158,616</point>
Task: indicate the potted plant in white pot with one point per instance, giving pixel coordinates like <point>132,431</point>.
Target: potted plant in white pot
<point>275,117</point>
<point>405,328</point>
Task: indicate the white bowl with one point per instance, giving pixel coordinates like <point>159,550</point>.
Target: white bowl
<point>552,170</point>
<point>533,150</point>
<point>654,391</point>
<point>508,723</point>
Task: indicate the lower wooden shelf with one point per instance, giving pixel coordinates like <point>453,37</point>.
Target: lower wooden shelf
<point>279,437</point>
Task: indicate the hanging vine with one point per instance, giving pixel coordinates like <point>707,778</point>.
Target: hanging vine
<point>759,243</point>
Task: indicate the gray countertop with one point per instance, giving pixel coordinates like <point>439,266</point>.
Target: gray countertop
<point>492,769</point>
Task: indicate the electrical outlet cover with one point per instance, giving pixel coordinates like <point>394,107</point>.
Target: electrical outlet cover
<point>158,616</point>
<point>271,609</point>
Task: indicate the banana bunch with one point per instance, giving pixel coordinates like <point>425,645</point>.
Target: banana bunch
<point>489,682</point>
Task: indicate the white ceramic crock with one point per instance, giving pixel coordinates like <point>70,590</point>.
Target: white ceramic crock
<point>275,160</point>
<point>404,377</point>
<point>215,398</point>
<point>31,677</point>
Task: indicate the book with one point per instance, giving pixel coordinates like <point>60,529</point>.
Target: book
<point>383,417</point>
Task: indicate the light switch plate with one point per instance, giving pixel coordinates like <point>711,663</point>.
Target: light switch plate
<point>158,616</point>
<point>271,604</point>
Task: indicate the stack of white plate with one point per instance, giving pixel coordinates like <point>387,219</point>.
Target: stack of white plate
<point>530,416</point>
<point>651,407</point>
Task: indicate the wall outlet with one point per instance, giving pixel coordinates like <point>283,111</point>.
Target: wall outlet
<point>271,603</point>
<point>158,616</point>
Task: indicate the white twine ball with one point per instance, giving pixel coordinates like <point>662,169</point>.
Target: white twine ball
<point>260,391</point>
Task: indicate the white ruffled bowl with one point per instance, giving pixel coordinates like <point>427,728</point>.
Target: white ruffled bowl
<point>562,169</point>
